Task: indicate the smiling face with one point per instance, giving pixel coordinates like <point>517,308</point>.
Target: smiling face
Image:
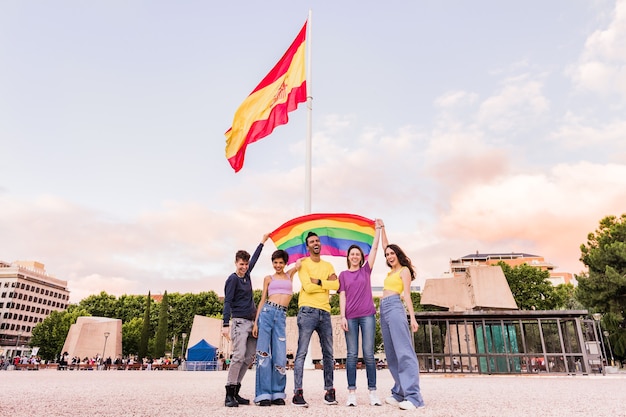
<point>241,267</point>
<point>313,245</point>
<point>355,257</point>
<point>391,257</point>
<point>279,265</point>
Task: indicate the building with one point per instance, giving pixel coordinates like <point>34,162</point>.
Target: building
<point>27,296</point>
<point>513,259</point>
<point>88,337</point>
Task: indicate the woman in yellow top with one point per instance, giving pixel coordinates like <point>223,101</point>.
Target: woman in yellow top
<point>401,358</point>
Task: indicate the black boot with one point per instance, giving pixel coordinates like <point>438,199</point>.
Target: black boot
<point>240,400</point>
<point>230,397</point>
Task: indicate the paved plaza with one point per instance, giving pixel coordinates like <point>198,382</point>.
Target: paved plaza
<point>179,393</point>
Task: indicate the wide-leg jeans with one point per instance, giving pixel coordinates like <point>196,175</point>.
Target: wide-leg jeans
<point>271,354</point>
<point>401,358</point>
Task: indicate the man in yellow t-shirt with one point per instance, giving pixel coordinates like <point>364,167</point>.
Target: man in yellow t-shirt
<point>317,278</point>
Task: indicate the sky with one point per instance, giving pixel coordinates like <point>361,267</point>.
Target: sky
<point>482,126</point>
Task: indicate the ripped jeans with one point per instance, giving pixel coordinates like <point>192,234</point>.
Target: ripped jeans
<point>271,354</point>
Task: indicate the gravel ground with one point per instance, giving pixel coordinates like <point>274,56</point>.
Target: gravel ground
<point>178,393</point>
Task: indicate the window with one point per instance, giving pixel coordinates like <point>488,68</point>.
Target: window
<point>4,294</point>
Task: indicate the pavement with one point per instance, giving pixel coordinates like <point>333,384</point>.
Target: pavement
<point>190,394</point>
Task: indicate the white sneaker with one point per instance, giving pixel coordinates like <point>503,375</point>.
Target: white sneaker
<point>351,400</point>
<point>407,405</point>
<point>392,401</point>
<point>374,400</point>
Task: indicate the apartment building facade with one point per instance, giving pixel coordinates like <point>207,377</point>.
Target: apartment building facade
<point>513,259</point>
<point>27,296</point>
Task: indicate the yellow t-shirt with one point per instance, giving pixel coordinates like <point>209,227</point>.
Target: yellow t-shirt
<point>313,295</point>
<point>393,281</point>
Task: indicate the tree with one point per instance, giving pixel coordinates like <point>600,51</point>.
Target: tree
<point>603,288</point>
<point>161,334</point>
<point>530,287</point>
<point>145,330</point>
<point>50,334</point>
<point>100,305</point>
<point>131,336</point>
<point>566,296</point>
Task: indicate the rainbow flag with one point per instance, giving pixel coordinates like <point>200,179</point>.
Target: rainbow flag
<point>337,232</point>
<point>269,103</point>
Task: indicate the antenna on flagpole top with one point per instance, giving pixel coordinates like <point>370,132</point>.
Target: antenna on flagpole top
<point>309,122</point>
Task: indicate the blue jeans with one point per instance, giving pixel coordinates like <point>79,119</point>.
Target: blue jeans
<point>271,354</point>
<point>309,320</point>
<point>367,325</point>
<point>401,358</point>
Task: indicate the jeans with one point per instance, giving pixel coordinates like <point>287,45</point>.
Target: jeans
<point>401,358</point>
<point>367,325</point>
<point>243,345</point>
<point>309,320</point>
<point>271,354</point>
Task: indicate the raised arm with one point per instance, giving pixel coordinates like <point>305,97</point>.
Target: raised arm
<point>371,258</point>
<point>383,234</point>
<point>257,252</point>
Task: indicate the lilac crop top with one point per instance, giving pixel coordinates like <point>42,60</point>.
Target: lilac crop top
<point>279,286</point>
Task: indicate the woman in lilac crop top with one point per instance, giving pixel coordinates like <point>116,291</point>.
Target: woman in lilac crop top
<point>269,329</point>
<point>358,313</point>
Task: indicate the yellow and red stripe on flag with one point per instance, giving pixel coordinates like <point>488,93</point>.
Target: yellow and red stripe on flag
<point>269,103</point>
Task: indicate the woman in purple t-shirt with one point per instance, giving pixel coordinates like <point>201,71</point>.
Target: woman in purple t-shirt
<point>358,312</point>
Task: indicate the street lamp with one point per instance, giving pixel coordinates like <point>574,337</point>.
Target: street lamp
<point>173,338</point>
<point>606,336</point>
<point>183,351</point>
<point>598,317</point>
<point>106,336</point>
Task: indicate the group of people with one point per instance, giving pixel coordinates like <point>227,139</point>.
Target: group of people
<point>260,332</point>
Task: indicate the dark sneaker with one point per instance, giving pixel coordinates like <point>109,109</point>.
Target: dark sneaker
<point>278,401</point>
<point>264,403</point>
<point>329,397</point>
<point>298,399</point>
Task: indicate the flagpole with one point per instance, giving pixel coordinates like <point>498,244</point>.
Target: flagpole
<point>309,122</point>
<point>308,360</point>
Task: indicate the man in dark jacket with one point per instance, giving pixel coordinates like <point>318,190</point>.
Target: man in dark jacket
<point>239,315</point>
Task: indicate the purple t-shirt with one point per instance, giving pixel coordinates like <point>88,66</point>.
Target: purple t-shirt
<point>358,288</point>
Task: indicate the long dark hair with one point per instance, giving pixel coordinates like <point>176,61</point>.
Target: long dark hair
<point>348,255</point>
<point>402,259</point>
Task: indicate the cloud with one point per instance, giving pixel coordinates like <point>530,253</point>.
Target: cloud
<point>552,212</point>
<point>518,105</point>
<point>576,132</point>
<point>601,67</point>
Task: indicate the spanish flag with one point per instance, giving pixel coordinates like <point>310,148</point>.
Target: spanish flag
<point>269,103</point>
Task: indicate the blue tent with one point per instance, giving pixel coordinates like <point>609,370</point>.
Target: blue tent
<point>201,351</point>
